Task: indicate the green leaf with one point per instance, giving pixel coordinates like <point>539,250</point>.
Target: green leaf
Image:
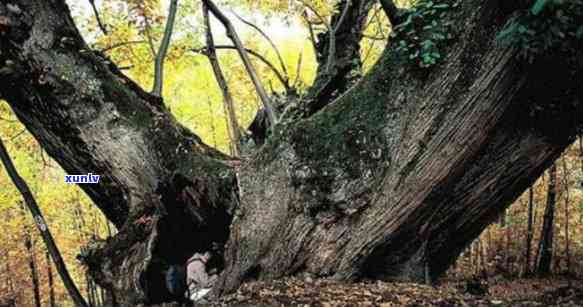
<point>579,33</point>
<point>538,6</point>
<point>506,36</point>
<point>441,6</point>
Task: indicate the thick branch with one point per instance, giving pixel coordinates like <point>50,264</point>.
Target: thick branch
<point>338,68</point>
<point>232,34</point>
<point>161,55</point>
<point>234,132</point>
<point>332,37</point>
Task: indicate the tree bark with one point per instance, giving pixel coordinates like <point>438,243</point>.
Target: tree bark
<point>338,68</point>
<point>392,180</point>
<point>50,281</point>
<point>547,234</point>
<point>429,161</point>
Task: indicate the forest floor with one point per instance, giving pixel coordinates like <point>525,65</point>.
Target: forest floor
<point>326,293</point>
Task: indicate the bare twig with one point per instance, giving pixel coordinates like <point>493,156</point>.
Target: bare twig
<point>148,30</point>
<point>298,69</point>
<point>126,67</point>
<point>8,120</point>
<point>21,132</point>
<point>315,12</point>
<point>374,38</point>
<point>374,41</point>
<point>278,75</point>
<point>380,26</point>
<point>161,55</point>
<point>374,15</point>
<point>311,31</point>
<point>234,133</point>
<point>369,51</point>
<point>245,58</point>
<point>269,40</point>
<point>122,44</point>
<point>379,36</point>
<point>97,17</point>
<point>42,157</point>
<point>42,226</point>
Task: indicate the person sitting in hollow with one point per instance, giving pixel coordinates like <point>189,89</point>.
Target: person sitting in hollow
<point>198,280</point>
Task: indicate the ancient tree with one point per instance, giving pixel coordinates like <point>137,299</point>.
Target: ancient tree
<point>387,176</point>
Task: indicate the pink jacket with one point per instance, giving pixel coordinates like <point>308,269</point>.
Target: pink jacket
<point>196,276</point>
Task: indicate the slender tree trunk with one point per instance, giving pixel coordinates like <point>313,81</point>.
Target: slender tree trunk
<point>228,104</point>
<point>567,217</point>
<point>33,270</point>
<point>480,257</point>
<point>529,232</point>
<point>508,253</point>
<point>547,234</point>
<point>32,264</point>
<point>162,52</point>
<point>51,284</point>
<point>42,227</point>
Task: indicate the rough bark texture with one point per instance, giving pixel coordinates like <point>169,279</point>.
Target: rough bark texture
<point>390,181</point>
<point>159,181</point>
<point>397,176</point>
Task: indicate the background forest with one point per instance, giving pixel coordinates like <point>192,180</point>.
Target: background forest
<point>551,211</point>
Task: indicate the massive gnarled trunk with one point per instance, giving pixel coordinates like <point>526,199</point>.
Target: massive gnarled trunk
<point>390,181</point>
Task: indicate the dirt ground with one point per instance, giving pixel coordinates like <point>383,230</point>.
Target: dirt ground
<point>327,293</point>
